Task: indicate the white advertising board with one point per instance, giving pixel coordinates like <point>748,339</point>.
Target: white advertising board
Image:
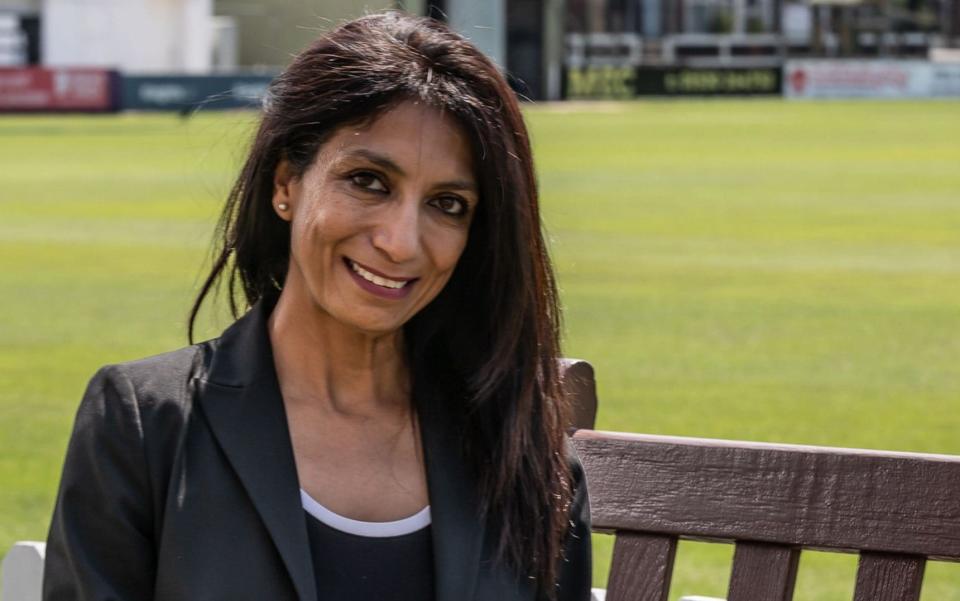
<point>870,79</point>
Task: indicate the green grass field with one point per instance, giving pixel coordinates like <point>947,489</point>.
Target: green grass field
<point>755,270</point>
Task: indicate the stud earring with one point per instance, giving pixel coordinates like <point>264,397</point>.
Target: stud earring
<point>283,206</point>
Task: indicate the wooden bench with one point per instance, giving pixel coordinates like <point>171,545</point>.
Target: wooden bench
<point>897,510</point>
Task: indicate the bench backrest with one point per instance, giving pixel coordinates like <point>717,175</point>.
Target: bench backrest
<point>897,510</point>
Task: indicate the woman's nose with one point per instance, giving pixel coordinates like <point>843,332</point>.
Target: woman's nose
<point>398,233</point>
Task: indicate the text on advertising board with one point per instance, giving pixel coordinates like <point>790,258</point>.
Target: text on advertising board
<point>870,79</point>
<point>597,82</point>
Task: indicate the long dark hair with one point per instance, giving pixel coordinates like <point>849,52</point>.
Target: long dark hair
<point>489,342</point>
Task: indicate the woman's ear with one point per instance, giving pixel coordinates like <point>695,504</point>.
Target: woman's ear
<point>284,189</point>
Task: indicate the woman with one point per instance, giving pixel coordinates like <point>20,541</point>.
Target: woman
<point>385,422</point>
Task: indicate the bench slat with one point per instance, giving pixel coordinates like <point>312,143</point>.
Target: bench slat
<point>763,572</point>
<point>887,577</point>
<point>812,497</point>
<point>642,567</point>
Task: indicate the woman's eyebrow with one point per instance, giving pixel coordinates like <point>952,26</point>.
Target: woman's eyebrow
<point>380,160</point>
<point>386,163</point>
<point>460,185</point>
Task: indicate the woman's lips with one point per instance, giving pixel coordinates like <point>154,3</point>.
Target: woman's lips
<point>378,283</point>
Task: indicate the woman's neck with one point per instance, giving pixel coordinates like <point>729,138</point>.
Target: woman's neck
<point>325,363</point>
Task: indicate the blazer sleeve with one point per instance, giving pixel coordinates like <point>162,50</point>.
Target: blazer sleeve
<point>576,570</point>
<point>100,546</point>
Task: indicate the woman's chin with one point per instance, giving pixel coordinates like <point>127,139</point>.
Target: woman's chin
<point>374,324</point>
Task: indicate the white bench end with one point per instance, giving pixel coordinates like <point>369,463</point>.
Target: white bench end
<point>23,571</point>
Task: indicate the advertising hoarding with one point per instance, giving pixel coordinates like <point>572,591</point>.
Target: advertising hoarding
<point>870,79</point>
<point>192,92</point>
<point>617,83</point>
<point>64,89</point>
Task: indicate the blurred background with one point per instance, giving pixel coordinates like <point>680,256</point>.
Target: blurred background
<point>553,49</point>
<point>753,206</point>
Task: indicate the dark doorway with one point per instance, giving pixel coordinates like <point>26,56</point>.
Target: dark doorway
<point>30,25</point>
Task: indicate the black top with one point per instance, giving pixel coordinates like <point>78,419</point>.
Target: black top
<point>349,567</point>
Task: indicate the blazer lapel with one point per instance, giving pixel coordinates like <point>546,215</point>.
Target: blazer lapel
<point>457,527</point>
<point>241,400</point>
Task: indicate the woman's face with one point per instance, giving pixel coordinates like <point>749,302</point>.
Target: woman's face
<point>380,218</point>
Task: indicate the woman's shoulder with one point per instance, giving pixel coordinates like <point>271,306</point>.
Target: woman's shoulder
<point>160,382</point>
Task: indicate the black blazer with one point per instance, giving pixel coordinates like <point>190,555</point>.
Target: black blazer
<point>179,484</point>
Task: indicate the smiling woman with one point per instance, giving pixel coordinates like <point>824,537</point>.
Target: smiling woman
<point>385,421</point>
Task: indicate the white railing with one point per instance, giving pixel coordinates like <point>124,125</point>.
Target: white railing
<point>724,45</point>
<point>605,49</point>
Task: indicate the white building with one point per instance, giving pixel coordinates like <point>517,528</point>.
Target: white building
<point>135,36</point>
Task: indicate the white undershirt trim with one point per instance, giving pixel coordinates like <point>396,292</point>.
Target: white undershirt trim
<point>407,525</point>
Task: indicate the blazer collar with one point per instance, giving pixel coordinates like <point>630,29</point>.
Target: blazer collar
<point>241,399</point>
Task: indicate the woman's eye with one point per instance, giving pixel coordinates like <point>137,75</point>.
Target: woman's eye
<point>451,205</point>
<point>368,181</point>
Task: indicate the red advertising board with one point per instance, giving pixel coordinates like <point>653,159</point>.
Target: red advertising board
<point>68,89</point>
